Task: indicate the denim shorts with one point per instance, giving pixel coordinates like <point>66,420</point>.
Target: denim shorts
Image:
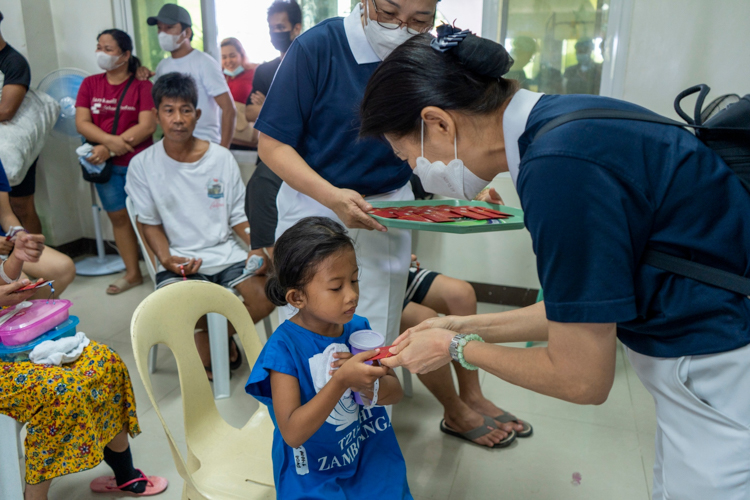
<point>112,193</point>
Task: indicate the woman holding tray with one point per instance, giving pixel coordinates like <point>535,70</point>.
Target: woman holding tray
<point>597,194</point>
<point>308,137</point>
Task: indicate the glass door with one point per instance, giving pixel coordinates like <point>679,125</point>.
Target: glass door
<point>559,46</point>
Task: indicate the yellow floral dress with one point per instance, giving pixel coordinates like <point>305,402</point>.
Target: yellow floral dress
<point>72,411</point>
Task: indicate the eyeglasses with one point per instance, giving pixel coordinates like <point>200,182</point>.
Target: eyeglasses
<point>389,21</point>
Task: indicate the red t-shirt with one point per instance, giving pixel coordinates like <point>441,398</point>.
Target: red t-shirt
<point>241,85</point>
<point>101,97</point>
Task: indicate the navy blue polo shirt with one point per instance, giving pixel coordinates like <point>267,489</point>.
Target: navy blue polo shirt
<point>596,193</point>
<point>313,106</point>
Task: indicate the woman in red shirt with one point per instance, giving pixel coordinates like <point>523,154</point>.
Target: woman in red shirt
<point>239,74</point>
<point>95,113</point>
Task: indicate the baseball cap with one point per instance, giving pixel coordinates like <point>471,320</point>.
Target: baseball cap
<point>171,14</point>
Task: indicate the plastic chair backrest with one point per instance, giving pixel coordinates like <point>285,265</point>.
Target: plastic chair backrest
<point>145,250</point>
<point>168,316</point>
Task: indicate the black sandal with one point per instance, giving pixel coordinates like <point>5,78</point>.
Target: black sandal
<point>233,365</point>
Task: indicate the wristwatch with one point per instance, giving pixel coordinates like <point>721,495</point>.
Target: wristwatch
<point>453,347</point>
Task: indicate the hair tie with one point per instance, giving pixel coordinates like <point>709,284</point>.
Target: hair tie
<point>480,55</point>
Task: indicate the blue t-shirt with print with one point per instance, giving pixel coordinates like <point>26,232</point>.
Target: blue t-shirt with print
<point>354,455</point>
<point>313,106</point>
<point>597,193</point>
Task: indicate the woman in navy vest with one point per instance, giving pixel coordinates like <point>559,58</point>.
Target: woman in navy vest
<point>596,194</point>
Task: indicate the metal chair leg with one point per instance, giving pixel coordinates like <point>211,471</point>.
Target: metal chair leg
<point>408,388</point>
<point>152,354</point>
<point>267,327</point>
<point>219,342</point>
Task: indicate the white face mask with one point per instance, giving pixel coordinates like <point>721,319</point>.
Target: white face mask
<point>108,62</point>
<point>382,40</point>
<point>453,180</point>
<point>169,43</point>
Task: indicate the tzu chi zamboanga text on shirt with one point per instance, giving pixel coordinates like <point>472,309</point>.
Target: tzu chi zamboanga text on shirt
<point>354,454</point>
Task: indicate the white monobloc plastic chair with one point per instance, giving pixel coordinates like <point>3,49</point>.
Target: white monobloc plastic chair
<point>11,451</point>
<point>222,462</point>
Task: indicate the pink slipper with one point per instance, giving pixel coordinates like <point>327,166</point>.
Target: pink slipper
<point>107,484</point>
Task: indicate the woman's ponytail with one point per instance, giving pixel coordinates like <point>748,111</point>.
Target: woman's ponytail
<point>133,64</point>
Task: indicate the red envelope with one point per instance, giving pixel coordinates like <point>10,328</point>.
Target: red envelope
<point>385,352</point>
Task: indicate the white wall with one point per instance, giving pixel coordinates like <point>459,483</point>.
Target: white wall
<point>673,44</point>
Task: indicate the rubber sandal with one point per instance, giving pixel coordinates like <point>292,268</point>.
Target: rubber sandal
<point>107,484</point>
<point>233,365</point>
<point>122,285</point>
<point>507,417</point>
<point>482,430</point>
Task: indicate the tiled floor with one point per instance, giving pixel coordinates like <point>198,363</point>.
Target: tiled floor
<point>610,446</point>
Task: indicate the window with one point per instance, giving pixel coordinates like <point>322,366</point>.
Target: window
<point>557,45</point>
<point>146,37</point>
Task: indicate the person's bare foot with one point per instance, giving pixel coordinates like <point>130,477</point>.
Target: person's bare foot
<point>203,345</point>
<point>461,418</point>
<point>484,406</point>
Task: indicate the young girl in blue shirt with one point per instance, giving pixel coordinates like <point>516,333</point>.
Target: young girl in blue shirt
<point>325,446</point>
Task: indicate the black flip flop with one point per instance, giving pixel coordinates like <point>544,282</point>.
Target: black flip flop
<point>507,417</point>
<point>233,365</point>
<point>488,426</point>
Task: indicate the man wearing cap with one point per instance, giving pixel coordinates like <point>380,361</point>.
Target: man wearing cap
<point>586,76</point>
<point>218,113</point>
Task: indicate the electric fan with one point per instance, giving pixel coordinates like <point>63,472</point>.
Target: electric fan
<point>62,85</point>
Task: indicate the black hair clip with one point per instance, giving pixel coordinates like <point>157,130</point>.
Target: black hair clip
<point>448,37</point>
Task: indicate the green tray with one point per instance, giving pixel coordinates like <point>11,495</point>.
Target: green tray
<point>462,227</point>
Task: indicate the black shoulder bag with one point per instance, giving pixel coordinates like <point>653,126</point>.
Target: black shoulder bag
<point>726,130</point>
<point>106,173</point>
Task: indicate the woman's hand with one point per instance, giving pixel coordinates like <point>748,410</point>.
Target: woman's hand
<point>118,145</point>
<point>421,351</point>
<point>189,266</point>
<point>98,155</point>
<point>489,195</point>
<point>351,208</point>
<point>28,247</point>
<point>143,73</point>
<point>354,374</point>
<point>9,296</point>
<point>452,323</point>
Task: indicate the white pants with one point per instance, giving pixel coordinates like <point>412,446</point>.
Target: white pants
<point>383,258</point>
<point>703,424</point>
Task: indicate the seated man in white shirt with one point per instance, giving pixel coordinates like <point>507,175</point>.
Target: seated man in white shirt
<point>189,196</point>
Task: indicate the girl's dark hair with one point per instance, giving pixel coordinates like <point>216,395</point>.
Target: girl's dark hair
<point>467,78</point>
<point>298,252</point>
<point>126,45</point>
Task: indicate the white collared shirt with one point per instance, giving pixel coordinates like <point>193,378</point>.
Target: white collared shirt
<point>514,124</point>
<point>355,35</point>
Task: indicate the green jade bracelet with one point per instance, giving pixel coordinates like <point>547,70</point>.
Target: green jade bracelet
<point>460,344</point>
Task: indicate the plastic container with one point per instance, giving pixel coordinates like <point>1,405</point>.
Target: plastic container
<point>34,321</point>
<point>361,341</point>
<point>21,352</point>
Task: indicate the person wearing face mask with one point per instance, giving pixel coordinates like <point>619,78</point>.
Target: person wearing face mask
<point>600,196</point>
<point>308,137</point>
<point>238,72</point>
<point>586,76</point>
<point>218,113</point>
<point>96,104</point>
<point>284,25</point>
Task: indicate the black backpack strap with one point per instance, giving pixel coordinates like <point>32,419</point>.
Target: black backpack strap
<point>612,114</point>
<point>693,270</point>
<point>699,272</point>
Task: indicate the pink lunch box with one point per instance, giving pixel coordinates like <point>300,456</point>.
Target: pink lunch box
<point>41,317</point>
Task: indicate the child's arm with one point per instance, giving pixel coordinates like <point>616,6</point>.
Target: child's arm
<point>298,422</point>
